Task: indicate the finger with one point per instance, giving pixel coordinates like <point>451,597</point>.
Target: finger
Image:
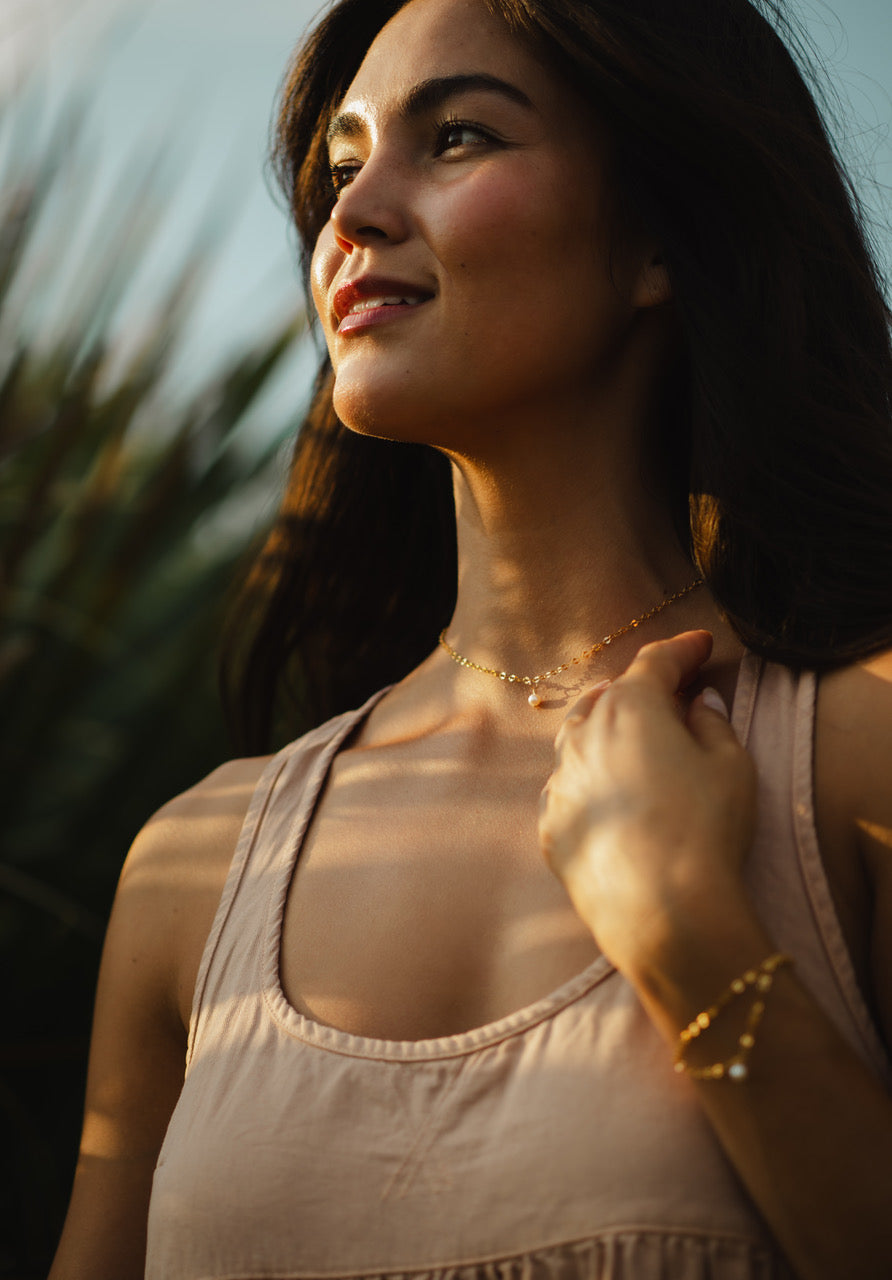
<point>708,720</point>
<point>543,797</point>
<point>584,704</point>
<point>670,665</point>
<point>581,709</point>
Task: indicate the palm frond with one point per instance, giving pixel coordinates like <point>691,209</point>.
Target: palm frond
<point>110,606</point>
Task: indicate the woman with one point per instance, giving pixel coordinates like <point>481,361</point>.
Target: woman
<point>600,257</point>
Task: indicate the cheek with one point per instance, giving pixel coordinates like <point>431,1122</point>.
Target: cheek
<point>323,267</point>
<point>527,237</point>
<point>478,226</point>
<point>530,283</point>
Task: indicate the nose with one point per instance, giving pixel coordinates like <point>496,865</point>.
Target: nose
<point>371,210</point>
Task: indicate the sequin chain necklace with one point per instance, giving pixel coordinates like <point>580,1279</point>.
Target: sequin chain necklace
<point>535,698</point>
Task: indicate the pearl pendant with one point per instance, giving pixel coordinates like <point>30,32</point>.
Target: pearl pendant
<point>535,698</point>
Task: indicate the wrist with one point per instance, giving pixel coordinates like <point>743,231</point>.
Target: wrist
<point>691,953</point>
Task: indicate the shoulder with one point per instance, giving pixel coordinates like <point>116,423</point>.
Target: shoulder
<point>853,789</point>
<point>854,737</point>
<point>162,913</point>
<point>198,822</point>
<point>174,875</point>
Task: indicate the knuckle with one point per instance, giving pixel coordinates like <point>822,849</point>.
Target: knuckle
<point>625,692</point>
<point>649,650</point>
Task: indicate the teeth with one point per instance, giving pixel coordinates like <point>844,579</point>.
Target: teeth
<point>369,304</point>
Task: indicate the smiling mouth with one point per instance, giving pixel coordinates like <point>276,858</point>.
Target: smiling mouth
<point>367,313</point>
<point>370,304</point>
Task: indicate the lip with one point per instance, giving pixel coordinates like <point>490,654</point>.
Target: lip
<point>369,287</point>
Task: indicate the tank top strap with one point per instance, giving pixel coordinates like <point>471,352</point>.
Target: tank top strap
<point>785,871</point>
<point>278,815</point>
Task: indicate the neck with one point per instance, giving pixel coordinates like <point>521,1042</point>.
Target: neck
<point>563,538</point>
<point>555,549</point>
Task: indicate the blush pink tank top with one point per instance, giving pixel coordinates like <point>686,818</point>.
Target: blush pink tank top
<point>554,1144</point>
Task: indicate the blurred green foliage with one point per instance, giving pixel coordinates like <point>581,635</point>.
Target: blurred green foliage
<point>117,550</point>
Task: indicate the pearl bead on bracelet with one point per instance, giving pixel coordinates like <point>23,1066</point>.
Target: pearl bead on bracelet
<point>736,1067</point>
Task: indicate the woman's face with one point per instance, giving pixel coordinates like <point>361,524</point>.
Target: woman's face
<point>465,281</point>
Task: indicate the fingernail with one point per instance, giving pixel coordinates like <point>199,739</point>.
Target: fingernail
<point>713,699</point>
<point>599,687</point>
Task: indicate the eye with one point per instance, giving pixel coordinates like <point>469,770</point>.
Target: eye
<point>456,135</point>
<point>343,174</point>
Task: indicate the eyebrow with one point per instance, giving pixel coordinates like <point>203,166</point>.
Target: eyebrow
<point>427,96</point>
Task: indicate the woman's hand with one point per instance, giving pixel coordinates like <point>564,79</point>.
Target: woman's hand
<point>649,813</point>
<point>647,820</point>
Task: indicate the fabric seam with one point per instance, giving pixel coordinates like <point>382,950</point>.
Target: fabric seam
<point>241,857</point>
<point>755,1248</point>
<point>814,875</point>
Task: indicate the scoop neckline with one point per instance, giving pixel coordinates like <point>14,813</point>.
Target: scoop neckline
<point>462,1043</point>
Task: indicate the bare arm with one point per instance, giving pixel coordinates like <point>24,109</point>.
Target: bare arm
<point>163,911</point>
<point>647,822</point>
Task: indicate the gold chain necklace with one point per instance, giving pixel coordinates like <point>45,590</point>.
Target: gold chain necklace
<point>535,699</point>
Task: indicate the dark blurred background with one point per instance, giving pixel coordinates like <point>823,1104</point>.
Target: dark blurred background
<point>153,362</point>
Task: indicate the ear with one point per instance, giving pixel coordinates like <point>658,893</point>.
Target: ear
<point>652,287</point>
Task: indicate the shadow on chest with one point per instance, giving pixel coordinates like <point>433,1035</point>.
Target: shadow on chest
<point>420,905</point>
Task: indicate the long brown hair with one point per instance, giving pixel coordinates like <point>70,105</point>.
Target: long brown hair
<point>777,439</point>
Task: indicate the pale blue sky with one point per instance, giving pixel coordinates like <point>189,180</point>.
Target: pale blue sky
<point>197,79</point>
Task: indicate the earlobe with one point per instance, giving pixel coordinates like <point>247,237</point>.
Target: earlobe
<point>653,287</point>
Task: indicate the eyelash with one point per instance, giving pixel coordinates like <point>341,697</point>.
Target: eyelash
<point>342,174</point>
<point>339,174</point>
<point>442,128</point>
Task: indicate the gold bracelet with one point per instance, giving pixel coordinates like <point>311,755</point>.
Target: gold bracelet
<point>736,1067</point>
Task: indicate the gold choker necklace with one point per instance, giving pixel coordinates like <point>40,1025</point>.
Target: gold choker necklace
<point>535,698</point>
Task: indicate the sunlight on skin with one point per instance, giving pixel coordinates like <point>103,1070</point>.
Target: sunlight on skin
<point>550,927</point>
<point>102,1139</point>
<point>219,810</point>
<point>875,831</point>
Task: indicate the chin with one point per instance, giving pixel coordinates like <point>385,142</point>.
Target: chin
<point>367,417</point>
<point>386,415</point>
